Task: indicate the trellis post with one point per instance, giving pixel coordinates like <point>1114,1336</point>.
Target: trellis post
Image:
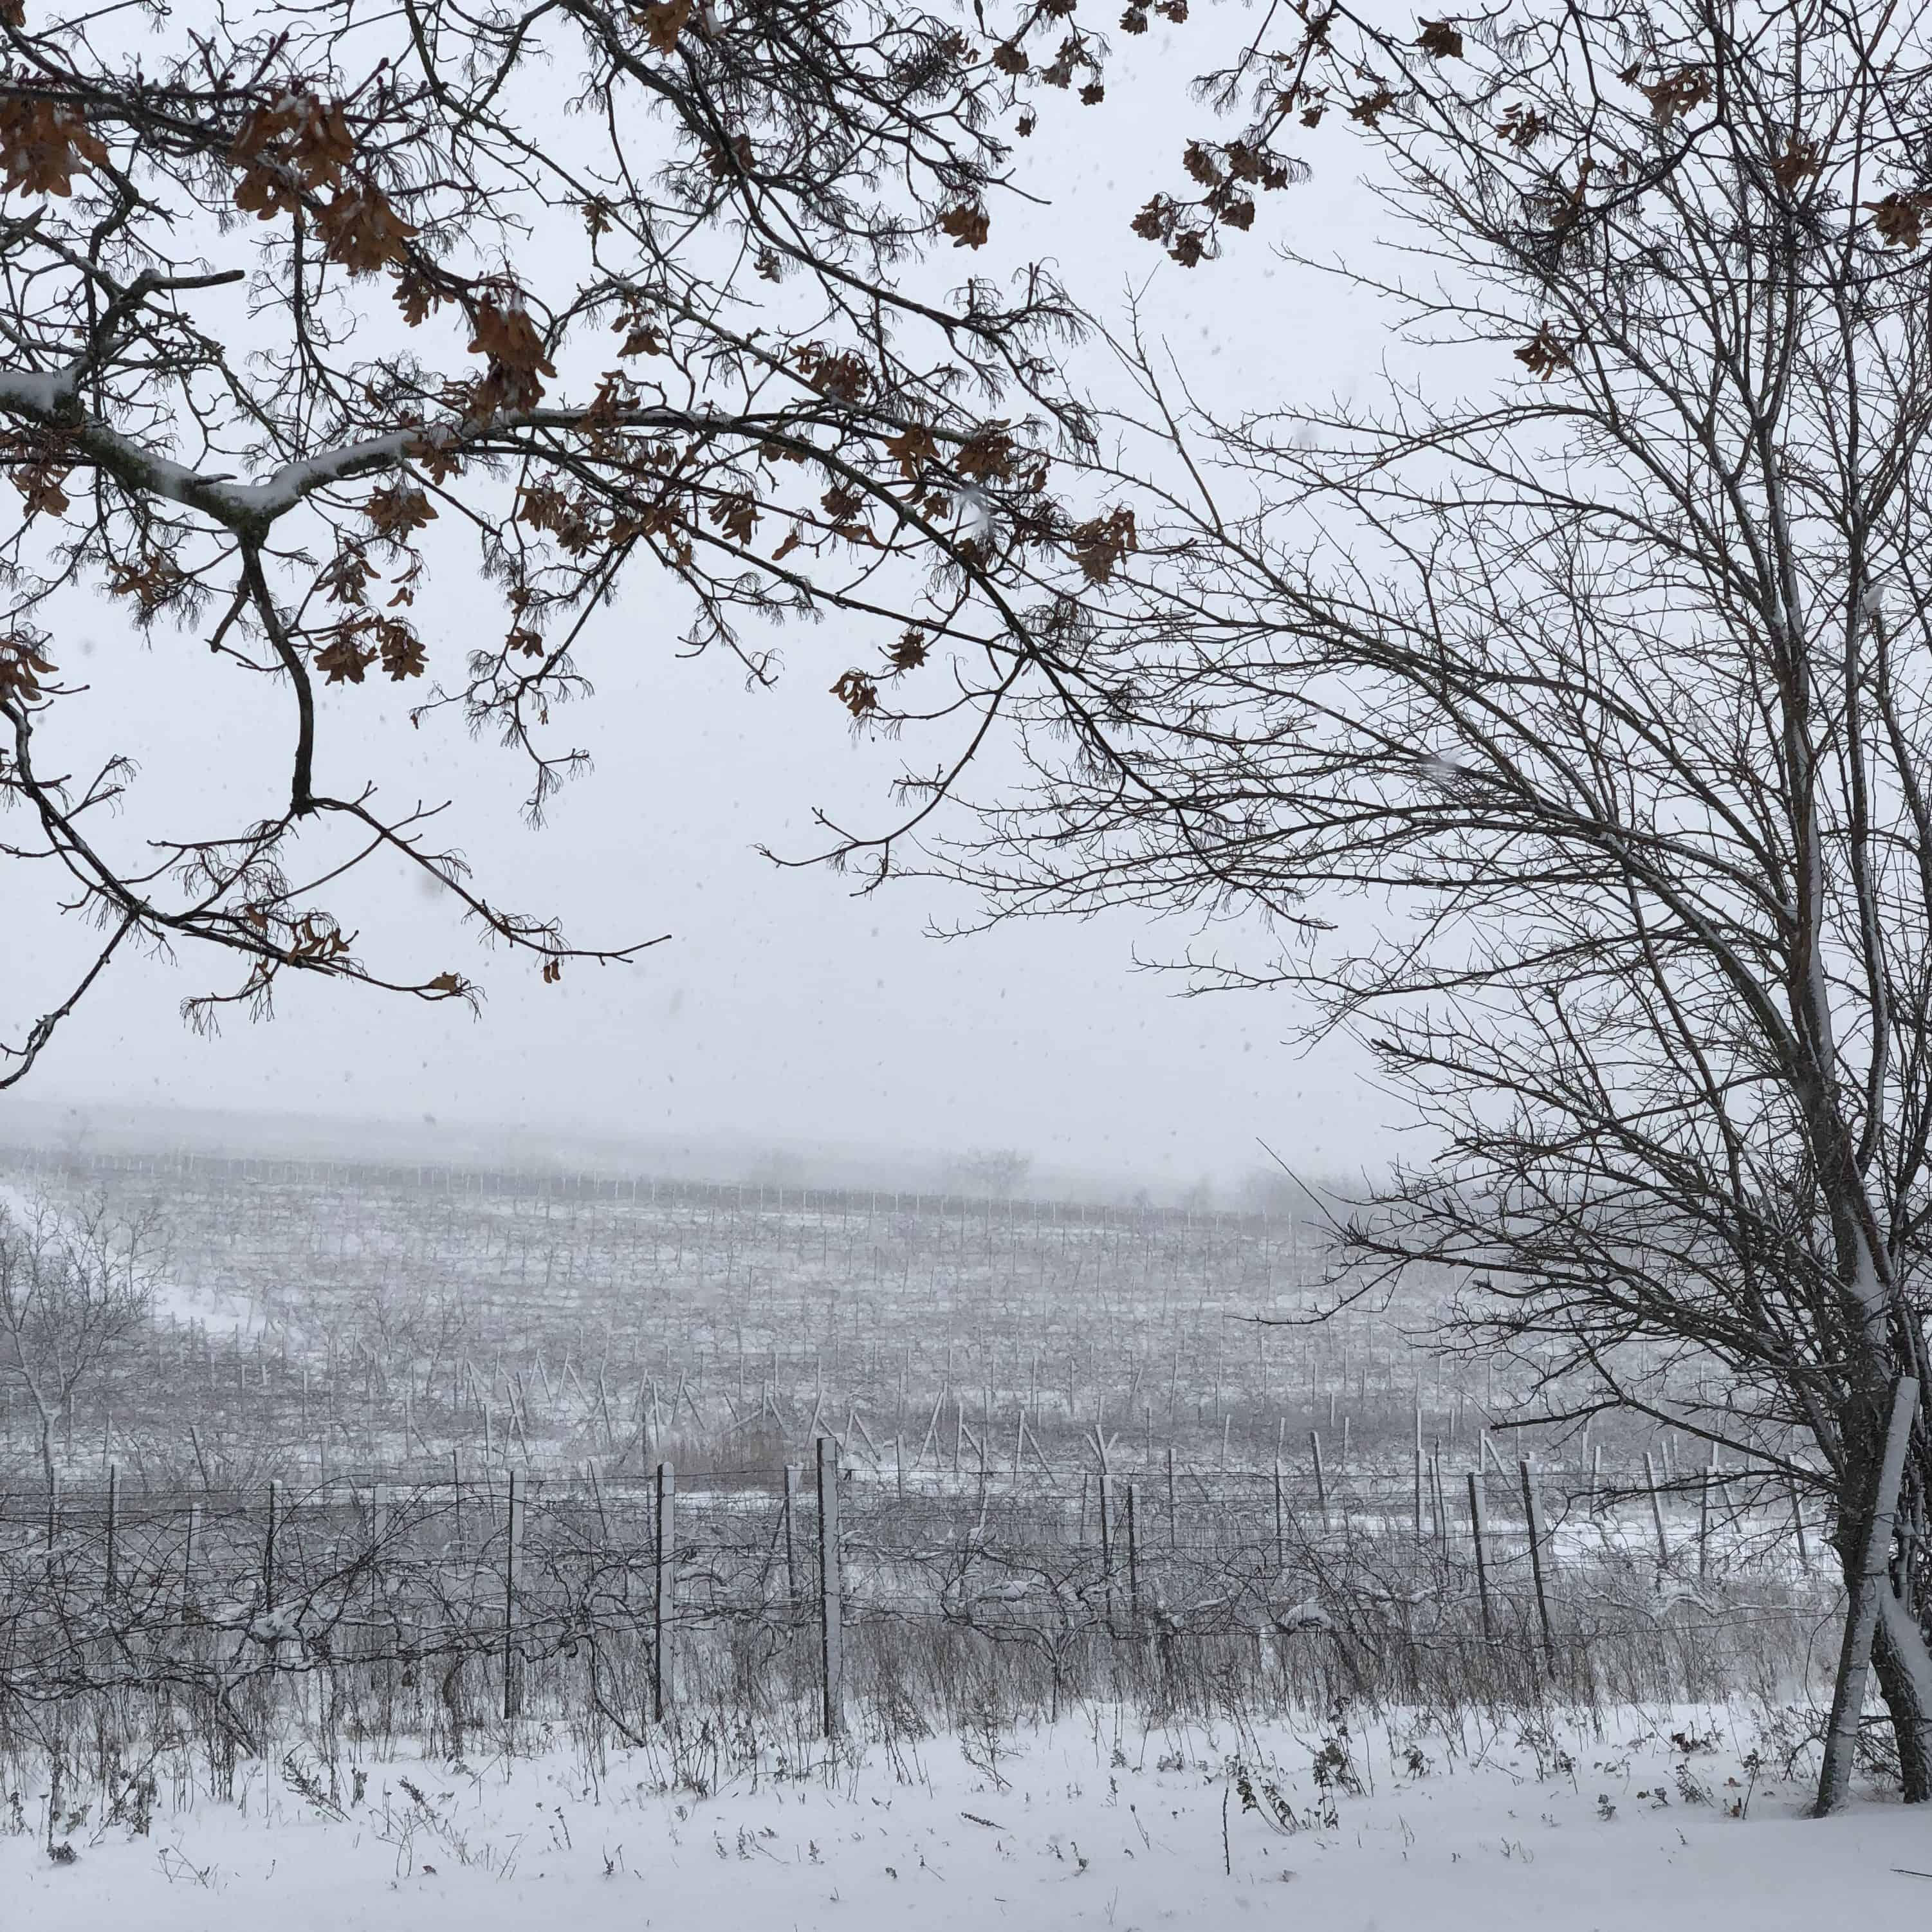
<point>1482,1555</point>
<point>663,1685</point>
<point>113,1523</point>
<point>1534,1516</point>
<point>832,1607</point>
<point>510,1601</point>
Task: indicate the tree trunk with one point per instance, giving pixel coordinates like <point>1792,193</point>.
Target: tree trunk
<point>1875,1618</point>
<point>1902,1653</point>
<point>1903,1665</point>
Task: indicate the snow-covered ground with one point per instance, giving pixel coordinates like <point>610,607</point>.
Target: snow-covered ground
<point>1091,1823</point>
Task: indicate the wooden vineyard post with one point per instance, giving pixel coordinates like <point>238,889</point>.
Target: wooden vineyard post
<point>1441,1505</point>
<point>268,1551</point>
<point>1418,1469</point>
<point>1656,1510</point>
<point>1106,1488</point>
<point>1280,1521</point>
<point>1173,1515</point>
<point>378,1528</point>
<point>1704,1526</point>
<point>1533,1516</point>
<point>1133,1562</point>
<point>663,1686</point>
<point>113,1514</point>
<point>1482,1557</point>
<point>1798,1523</point>
<point>187,1558</point>
<point>1321,1479</point>
<point>510,1602</point>
<point>831,1600</point>
<point>791,1548</point>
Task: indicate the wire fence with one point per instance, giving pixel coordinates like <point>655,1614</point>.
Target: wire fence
<point>629,1598</point>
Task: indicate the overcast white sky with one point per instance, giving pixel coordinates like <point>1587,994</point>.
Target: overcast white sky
<point>783,1011</point>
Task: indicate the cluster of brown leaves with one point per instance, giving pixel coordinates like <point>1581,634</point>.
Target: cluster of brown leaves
<point>989,454</point>
<point>1675,95</point>
<point>912,449</point>
<point>1231,166</point>
<point>300,144</point>
<point>347,575</point>
<point>736,513</point>
<point>1368,110</point>
<point>1134,19</point>
<point>23,663</point>
<point>1074,56</point>
<point>315,938</point>
<point>1800,160</point>
<point>642,336</point>
<point>663,23</point>
<point>504,333</point>
<point>1522,127</point>
<point>1101,544</point>
<point>354,646</point>
<point>42,142</point>
<point>966,225</point>
<point>416,296</point>
<point>435,453</point>
<point>1545,353</point>
<point>361,230</point>
<point>845,506</point>
<point>1162,220</point>
<point>836,373</point>
<point>1899,219</point>
<point>400,650</point>
<point>561,514</point>
<point>39,482</point>
<point>398,511</point>
<point>734,157</point>
<point>153,582</point>
<point>1440,40</point>
<point>857,691</point>
<point>1228,170</point>
<point>665,517</point>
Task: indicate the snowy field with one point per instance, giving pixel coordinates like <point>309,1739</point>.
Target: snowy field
<point>1645,1821</point>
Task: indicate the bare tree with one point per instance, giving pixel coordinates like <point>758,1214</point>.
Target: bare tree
<point>75,1288</point>
<point>1603,692</point>
<point>294,305</point>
